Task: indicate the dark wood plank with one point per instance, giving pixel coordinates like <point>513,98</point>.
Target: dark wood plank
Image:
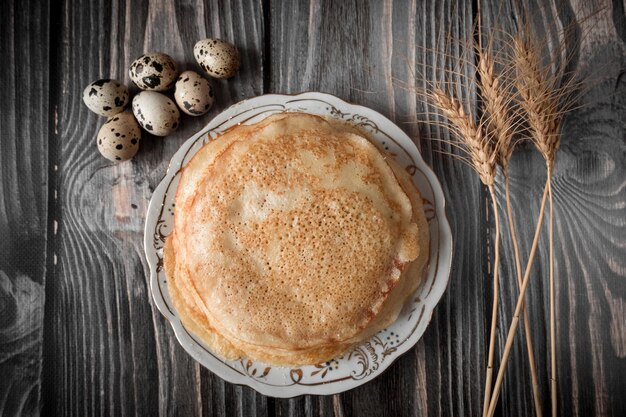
<point>110,352</point>
<point>589,197</point>
<point>355,50</point>
<point>24,124</point>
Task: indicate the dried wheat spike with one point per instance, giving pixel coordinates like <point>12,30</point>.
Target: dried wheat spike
<point>482,154</point>
<point>540,99</point>
<point>498,119</point>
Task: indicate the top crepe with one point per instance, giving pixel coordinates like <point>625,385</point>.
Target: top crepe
<point>289,236</point>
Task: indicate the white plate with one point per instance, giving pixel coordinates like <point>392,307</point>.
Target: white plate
<point>367,360</point>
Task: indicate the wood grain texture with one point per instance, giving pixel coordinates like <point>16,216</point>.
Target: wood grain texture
<point>114,354</point>
<point>24,123</point>
<point>106,348</point>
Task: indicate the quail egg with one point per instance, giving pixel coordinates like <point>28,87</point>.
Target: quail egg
<point>153,71</point>
<point>218,58</point>
<point>193,93</point>
<point>118,138</point>
<point>156,113</point>
<point>106,97</point>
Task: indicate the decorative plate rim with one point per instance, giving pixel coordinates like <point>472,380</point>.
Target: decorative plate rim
<point>272,103</point>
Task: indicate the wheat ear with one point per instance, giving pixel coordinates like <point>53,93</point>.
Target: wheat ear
<point>501,126</point>
<point>481,154</point>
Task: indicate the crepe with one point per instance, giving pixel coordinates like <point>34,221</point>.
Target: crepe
<point>294,238</point>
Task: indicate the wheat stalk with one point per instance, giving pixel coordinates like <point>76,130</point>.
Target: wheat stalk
<point>518,307</point>
<point>500,125</point>
<point>487,87</point>
<point>553,384</point>
<point>541,100</point>
<point>544,98</point>
<point>482,156</point>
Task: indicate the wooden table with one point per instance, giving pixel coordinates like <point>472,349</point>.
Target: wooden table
<point>79,333</point>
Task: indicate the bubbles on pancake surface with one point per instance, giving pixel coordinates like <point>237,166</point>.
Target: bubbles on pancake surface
<point>215,217</point>
<point>300,235</point>
<point>282,215</point>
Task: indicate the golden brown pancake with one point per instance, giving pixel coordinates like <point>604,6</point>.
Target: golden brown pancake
<point>294,238</point>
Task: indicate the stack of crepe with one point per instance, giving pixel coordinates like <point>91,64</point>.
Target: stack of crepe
<point>294,239</point>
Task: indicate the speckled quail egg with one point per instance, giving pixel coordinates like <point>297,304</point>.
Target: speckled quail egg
<point>153,71</point>
<point>193,93</point>
<point>118,138</point>
<point>156,113</point>
<point>218,58</point>
<point>106,97</point>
